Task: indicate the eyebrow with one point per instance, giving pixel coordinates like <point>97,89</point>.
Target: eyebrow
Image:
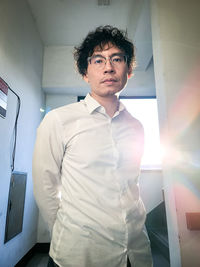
<point>112,55</point>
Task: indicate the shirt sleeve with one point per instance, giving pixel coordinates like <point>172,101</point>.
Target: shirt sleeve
<point>47,162</point>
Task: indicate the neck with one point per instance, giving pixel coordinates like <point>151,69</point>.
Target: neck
<point>110,103</point>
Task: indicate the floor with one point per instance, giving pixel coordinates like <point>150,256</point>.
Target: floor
<point>41,259</point>
<point>38,260</point>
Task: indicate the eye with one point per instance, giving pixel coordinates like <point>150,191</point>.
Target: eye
<point>117,59</point>
<point>98,61</point>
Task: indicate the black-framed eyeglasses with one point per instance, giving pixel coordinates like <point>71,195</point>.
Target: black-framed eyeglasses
<point>116,60</point>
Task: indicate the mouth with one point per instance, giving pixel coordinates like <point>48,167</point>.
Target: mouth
<point>109,81</point>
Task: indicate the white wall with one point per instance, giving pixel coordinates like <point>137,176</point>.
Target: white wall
<point>59,72</point>
<point>21,53</point>
<point>55,101</point>
<point>176,50</point>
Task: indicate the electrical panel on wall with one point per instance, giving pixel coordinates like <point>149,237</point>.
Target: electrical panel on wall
<point>3,98</point>
<point>15,209</point>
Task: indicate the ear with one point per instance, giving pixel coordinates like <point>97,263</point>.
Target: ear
<point>85,78</point>
<point>130,72</point>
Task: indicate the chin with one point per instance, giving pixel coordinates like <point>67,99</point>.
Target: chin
<point>114,92</point>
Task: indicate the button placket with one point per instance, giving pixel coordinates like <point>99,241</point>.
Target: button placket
<point>118,180</point>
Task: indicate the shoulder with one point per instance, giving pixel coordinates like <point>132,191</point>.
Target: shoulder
<point>75,107</point>
<point>64,114</point>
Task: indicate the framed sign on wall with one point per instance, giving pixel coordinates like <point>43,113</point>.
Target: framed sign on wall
<point>3,97</point>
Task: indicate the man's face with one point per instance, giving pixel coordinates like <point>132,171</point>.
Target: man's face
<point>110,78</point>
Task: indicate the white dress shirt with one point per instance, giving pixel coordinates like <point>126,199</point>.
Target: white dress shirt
<point>85,168</point>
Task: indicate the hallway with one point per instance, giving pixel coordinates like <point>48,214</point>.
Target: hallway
<point>36,48</point>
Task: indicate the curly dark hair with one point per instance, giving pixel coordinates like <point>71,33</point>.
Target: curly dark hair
<point>99,38</point>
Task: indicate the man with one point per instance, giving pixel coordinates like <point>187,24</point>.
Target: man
<point>89,154</point>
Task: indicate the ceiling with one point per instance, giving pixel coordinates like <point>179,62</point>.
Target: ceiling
<point>67,22</point>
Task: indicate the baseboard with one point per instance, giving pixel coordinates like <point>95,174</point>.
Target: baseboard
<point>38,247</point>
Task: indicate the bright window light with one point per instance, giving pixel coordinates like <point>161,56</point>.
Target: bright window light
<point>145,110</point>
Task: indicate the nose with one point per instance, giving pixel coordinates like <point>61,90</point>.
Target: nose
<point>108,67</point>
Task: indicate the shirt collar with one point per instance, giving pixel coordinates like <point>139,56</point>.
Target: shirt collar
<point>121,106</point>
<point>92,104</point>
